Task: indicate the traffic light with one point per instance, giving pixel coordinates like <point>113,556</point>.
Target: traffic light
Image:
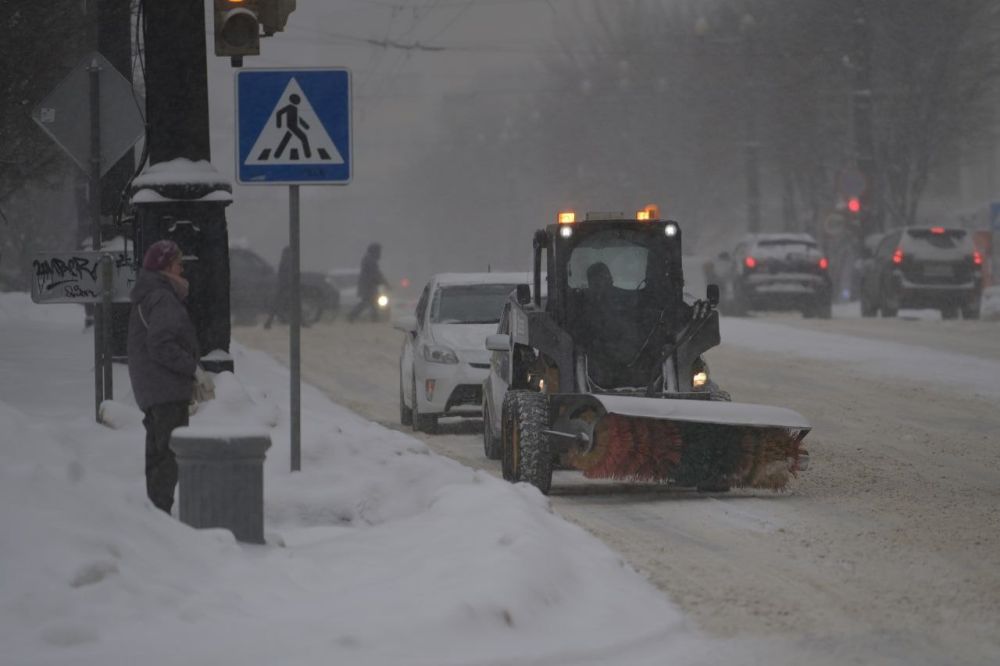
<point>237,29</point>
<point>274,15</point>
<point>854,205</point>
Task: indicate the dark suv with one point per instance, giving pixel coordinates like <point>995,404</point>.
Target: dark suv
<point>932,267</point>
<point>773,271</point>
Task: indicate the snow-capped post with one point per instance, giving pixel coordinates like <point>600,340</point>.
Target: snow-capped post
<point>184,201</point>
<point>221,479</point>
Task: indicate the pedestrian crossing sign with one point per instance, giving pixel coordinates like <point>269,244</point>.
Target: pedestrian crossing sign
<point>293,127</point>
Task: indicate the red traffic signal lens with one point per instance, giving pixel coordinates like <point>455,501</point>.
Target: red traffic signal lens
<point>854,205</point>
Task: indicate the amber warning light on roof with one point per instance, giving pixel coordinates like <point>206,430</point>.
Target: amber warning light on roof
<point>650,212</point>
<point>566,217</point>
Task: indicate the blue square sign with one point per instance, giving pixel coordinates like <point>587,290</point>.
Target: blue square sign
<point>293,126</point>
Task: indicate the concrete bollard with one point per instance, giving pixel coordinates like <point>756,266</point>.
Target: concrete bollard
<point>221,479</point>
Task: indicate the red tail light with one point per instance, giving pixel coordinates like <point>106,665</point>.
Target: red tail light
<point>937,230</point>
<point>897,256</point>
<point>824,263</point>
<point>750,262</point>
<point>977,258</point>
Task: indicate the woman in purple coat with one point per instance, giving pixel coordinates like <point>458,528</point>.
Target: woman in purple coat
<point>162,359</point>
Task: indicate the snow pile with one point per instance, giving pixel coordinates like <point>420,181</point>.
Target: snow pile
<point>378,552</point>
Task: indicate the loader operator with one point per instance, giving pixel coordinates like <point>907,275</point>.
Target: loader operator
<point>608,329</point>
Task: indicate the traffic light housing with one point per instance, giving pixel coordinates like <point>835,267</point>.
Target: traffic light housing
<point>237,28</point>
<point>274,14</point>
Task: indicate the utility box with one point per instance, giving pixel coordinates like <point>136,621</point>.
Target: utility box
<point>221,479</point>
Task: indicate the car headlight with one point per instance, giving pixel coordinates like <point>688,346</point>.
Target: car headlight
<point>439,354</point>
<point>383,301</point>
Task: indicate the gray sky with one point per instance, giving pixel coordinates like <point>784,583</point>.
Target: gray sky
<point>489,46</point>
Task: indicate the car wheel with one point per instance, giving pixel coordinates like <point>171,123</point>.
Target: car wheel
<point>422,422</point>
<point>405,413</point>
<point>491,443</point>
<point>970,312</point>
<point>527,454</point>
<point>867,309</point>
<point>824,310</point>
<point>890,302</point>
<point>312,308</point>
<point>949,312</point>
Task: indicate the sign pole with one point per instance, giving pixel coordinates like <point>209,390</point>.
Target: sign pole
<point>295,317</point>
<point>107,289</point>
<point>94,196</point>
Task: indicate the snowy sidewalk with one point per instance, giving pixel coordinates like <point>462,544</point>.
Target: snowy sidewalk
<point>379,551</point>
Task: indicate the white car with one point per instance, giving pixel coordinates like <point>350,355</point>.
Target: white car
<point>444,360</point>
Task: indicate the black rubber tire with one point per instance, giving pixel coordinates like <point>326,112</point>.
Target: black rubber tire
<point>970,312</point>
<point>405,413</point>
<point>867,310</point>
<point>890,304</point>
<point>509,466</point>
<point>527,455</point>
<point>491,443</point>
<point>824,310</point>
<point>312,309</point>
<point>422,422</point>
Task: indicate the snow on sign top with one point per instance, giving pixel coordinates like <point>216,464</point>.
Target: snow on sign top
<point>293,127</point>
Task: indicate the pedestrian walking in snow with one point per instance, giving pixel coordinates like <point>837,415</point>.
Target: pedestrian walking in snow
<point>162,361</point>
<point>369,281</point>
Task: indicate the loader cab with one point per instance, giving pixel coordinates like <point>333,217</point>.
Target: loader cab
<point>612,283</point>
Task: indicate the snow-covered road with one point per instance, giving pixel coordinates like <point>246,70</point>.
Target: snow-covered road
<point>886,551</point>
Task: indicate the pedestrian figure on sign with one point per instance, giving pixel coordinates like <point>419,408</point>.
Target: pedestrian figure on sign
<point>369,281</point>
<point>293,122</point>
<point>162,362</point>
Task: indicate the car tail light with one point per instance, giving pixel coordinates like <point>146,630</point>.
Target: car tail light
<point>977,258</point>
<point>750,263</point>
<point>897,256</point>
<point>824,263</point>
<point>937,230</point>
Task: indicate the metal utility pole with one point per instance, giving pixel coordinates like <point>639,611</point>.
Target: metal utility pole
<point>752,141</point>
<point>190,209</point>
<point>176,80</point>
<point>869,217</point>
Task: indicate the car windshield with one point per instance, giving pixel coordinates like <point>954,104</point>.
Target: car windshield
<point>624,254</point>
<point>943,239</point>
<point>469,303</point>
<point>788,245</point>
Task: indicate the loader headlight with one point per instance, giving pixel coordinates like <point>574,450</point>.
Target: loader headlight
<point>700,379</point>
<point>670,230</point>
<point>439,354</point>
<point>699,376</point>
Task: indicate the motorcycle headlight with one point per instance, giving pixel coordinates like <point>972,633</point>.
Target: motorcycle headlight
<point>439,354</point>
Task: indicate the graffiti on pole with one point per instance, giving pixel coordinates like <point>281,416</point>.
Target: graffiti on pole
<point>74,277</point>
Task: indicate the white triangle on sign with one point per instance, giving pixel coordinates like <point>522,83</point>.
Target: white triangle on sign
<point>293,134</point>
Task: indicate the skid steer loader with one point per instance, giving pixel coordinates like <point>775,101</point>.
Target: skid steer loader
<point>606,375</point>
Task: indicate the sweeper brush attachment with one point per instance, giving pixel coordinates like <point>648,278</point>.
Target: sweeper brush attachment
<point>688,454</point>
